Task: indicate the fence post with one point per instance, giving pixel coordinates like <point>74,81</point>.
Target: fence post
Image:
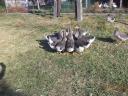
<point>38,4</point>
<point>111,2</point>
<point>86,3</point>
<point>79,10</point>
<point>121,1</point>
<point>76,9</point>
<point>5,1</point>
<point>57,8</point>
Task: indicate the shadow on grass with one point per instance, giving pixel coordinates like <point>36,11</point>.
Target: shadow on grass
<point>43,44</point>
<point>5,90</point>
<point>106,39</point>
<point>122,22</point>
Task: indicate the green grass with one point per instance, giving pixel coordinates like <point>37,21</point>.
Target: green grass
<point>100,70</point>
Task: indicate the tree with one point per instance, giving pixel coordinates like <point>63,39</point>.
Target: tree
<point>111,2</point>
<point>57,8</point>
<point>121,1</point>
<point>38,5</point>
<point>78,10</point>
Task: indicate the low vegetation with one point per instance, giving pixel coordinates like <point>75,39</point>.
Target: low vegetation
<point>100,70</point>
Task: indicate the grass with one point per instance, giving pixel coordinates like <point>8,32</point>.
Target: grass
<point>101,70</point>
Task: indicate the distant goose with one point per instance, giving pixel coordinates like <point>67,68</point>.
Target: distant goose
<point>105,5</point>
<point>114,5</point>
<point>110,18</point>
<point>70,41</point>
<point>60,46</point>
<point>2,70</point>
<point>119,35</point>
<point>100,5</point>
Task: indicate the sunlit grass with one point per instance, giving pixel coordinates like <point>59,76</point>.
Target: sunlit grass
<point>100,70</point>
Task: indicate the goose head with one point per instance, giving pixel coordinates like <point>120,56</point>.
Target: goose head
<point>116,31</point>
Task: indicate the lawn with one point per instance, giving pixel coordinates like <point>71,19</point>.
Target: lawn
<point>101,70</point>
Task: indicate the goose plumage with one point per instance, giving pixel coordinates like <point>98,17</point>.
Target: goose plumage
<point>79,32</point>
<point>84,42</point>
<point>110,18</point>
<point>70,41</point>
<point>54,39</point>
<point>120,35</point>
<point>60,46</point>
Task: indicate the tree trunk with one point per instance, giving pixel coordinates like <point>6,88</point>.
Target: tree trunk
<point>86,3</point>
<point>121,2</point>
<point>111,2</point>
<point>76,9</point>
<point>79,10</point>
<point>55,8</point>
<point>38,5</point>
<point>58,7</point>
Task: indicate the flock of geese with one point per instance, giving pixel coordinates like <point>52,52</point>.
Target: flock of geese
<point>117,33</point>
<point>78,39</point>
<point>69,40</point>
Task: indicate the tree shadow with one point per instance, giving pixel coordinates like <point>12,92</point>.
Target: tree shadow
<point>5,90</point>
<point>43,44</point>
<point>106,39</point>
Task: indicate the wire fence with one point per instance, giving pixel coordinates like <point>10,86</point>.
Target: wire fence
<point>46,7</point>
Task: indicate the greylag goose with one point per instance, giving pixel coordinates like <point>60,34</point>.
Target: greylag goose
<point>54,39</point>
<point>2,70</point>
<point>79,31</point>
<point>119,35</point>
<point>90,40</point>
<point>79,44</point>
<point>60,46</point>
<point>83,42</point>
<point>110,18</point>
<point>70,41</point>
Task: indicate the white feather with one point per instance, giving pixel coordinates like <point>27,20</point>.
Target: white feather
<point>58,49</point>
<point>80,49</point>
<point>50,41</point>
<point>70,49</point>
